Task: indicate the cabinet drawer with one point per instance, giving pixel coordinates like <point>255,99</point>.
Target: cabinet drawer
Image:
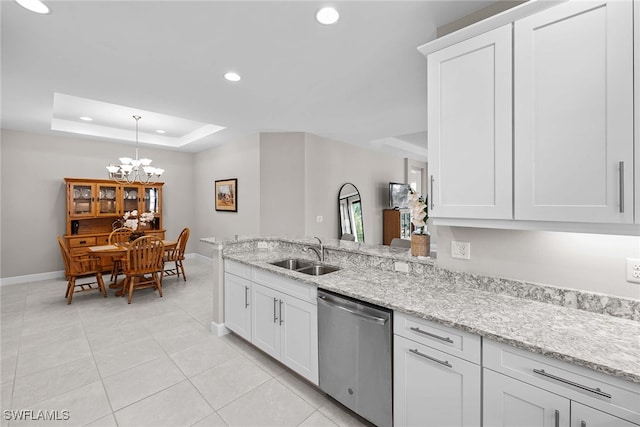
<point>102,240</point>
<point>606,393</point>
<point>237,269</point>
<point>450,340</point>
<point>300,290</point>
<point>78,242</point>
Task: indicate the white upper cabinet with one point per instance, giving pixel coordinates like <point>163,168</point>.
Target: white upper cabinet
<point>469,102</point>
<point>573,113</point>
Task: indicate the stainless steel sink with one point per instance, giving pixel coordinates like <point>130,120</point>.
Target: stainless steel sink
<point>305,266</point>
<point>318,270</point>
<point>293,263</point>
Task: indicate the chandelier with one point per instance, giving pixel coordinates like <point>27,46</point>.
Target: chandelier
<point>136,170</point>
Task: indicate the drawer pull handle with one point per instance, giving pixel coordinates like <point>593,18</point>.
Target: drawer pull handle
<point>431,192</point>
<point>275,316</point>
<point>621,177</point>
<point>433,359</point>
<point>280,312</point>
<point>571,383</point>
<point>83,242</point>
<point>429,334</point>
<point>557,418</point>
<point>246,296</point>
<point>583,424</point>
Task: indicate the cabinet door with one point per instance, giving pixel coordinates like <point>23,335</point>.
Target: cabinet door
<point>265,327</point>
<point>469,100</point>
<point>509,402</point>
<point>585,416</point>
<point>82,199</point>
<point>131,196</point>
<point>573,116</point>
<point>107,200</point>
<point>152,200</point>
<point>432,388</point>
<point>298,322</point>
<point>237,305</point>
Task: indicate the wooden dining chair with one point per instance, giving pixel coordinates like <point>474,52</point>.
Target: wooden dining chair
<point>176,255</point>
<point>118,236</point>
<point>143,265</point>
<point>80,267</point>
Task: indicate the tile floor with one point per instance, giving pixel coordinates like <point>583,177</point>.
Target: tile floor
<point>151,363</point>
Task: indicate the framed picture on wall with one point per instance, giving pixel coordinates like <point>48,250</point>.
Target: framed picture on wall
<point>227,195</point>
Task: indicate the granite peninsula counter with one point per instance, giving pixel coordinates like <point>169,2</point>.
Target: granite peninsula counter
<point>602,342</point>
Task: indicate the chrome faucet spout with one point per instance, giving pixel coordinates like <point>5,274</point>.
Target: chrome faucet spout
<point>319,251</point>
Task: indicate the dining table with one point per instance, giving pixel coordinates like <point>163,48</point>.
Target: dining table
<point>119,251</point>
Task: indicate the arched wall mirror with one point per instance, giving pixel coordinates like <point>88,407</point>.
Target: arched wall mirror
<point>350,213</point>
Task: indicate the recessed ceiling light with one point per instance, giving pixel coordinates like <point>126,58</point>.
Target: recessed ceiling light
<point>160,131</point>
<point>327,16</point>
<point>86,119</point>
<point>232,77</point>
<point>34,6</point>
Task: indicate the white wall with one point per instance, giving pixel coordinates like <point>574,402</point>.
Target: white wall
<point>329,164</point>
<point>33,193</point>
<point>282,183</point>
<point>237,159</point>
<point>590,262</point>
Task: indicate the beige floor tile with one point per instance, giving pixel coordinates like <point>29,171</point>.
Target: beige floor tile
<point>210,352</point>
<point>264,406</point>
<point>227,382</point>
<point>309,392</point>
<point>341,416</point>
<point>84,405</point>
<point>124,356</point>
<point>134,384</point>
<point>32,389</point>
<point>317,420</point>
<point>43,357</point>
<point>177,406</point>
<point>212,420</point>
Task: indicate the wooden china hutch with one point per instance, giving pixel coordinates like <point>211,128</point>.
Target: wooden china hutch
<point>95,206</point>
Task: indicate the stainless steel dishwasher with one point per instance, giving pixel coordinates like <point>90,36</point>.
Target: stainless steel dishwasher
<point>355,356</point>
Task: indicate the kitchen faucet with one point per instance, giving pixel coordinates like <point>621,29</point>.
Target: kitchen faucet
<point>318,251</point>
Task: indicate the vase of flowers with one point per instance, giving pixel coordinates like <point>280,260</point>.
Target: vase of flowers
<point>420,238</point>
<point>137,222</point>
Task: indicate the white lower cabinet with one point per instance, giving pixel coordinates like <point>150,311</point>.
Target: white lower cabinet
<point>529,390</point>
<point>433,387</point>
<point>509,402</point>
<point>277,314</point>
<point>286,328</point>
<point>585,416</point>
<point>237,311</point>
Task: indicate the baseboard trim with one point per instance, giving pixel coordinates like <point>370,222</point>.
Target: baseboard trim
<point>218,329</point>
<point>15,280</point>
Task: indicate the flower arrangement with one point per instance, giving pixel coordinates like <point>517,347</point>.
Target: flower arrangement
<point>133,219</point>
<point>419,212</point>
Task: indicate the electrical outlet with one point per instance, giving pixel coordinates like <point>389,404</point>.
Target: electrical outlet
<point>633,270</point>
<point>319,218</point>
<point>461,250</point>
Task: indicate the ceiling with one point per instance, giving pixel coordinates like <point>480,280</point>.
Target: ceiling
<point>360,81</point>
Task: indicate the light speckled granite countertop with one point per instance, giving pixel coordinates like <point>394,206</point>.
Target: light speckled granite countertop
<point>603,343</point>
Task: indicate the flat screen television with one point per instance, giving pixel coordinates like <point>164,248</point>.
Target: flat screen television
<point>398,195</point>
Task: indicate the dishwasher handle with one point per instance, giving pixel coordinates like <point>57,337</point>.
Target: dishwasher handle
<point>335,304</point>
